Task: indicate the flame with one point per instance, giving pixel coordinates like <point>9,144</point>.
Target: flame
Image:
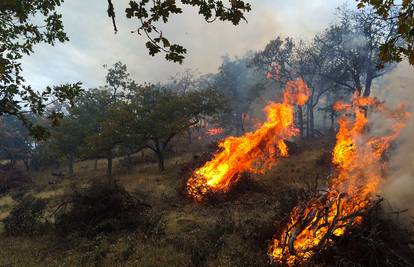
<point>253,152</point>
<point>358,159</point>
<point>215,131</point>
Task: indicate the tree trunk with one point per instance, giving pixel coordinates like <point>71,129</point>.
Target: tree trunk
<point>311,121</point>
<point>12,163</point>
<point>70,167</point>
<point>129,161</point>
<point>300,120</point>
<point>190,137</point>
<point>109,169</point>
<point>368,84</point>
<point>242,123</point>
<point>307,122</point>
<point>26,164</point>
<point>190,141</point>
<point>332,117</point>
<point>160,157</point>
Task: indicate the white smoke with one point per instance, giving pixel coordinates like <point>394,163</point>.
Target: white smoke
<point>395,88</point>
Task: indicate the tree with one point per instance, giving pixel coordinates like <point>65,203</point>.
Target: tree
<point>89,111</point>
<point>162,114</point>
<point>66,140</point>
<point>339,61</point>
<point>400,16</point>
<point>151,13</point>
<point>117,134</point>
<point>19,33</point>
<point>241,85</point>
<point>279,60</point>
<point>117,78</point>
<point>15,141</point>
<point>354,44</point>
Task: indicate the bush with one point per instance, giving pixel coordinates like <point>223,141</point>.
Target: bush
<point>12,179</point>
<point>103,207</point>
<point>26,217</point>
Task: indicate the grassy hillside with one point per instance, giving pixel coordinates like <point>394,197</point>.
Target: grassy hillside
<point>231,232</point>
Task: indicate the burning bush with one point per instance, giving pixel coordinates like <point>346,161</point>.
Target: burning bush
<point>245,184</point>
<point>254,152</point>
<point>380,240</point>
<point>101,208</point>
<point>315,225</point>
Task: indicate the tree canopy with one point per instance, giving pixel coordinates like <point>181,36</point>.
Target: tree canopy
<point>400,15</point>
<point>20,31</point>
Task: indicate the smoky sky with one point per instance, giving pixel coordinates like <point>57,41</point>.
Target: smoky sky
<point>93,42</point>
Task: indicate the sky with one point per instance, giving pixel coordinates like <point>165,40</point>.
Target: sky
<point>93,42</point>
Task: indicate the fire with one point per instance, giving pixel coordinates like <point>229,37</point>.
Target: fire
<point>357,156</point>
<point>253,152</point>
<point>215,131</point>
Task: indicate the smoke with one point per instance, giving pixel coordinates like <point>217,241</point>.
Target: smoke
<point>354,41</point>
<point>396,87</point>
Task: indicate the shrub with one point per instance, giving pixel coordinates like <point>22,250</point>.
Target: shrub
<point>12,179</point>
<point>103,207</point>
<point>26,217</point>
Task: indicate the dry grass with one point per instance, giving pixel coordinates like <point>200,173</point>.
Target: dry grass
<point>231,233</point>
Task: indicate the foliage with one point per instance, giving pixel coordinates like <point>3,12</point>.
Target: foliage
<point>26,217</point>
<point>15,141</point>
<point>12,179</point>
<point>117,78</point>
<point>66,140</point>
<point>19,33</point>
<point>400,15</point>
<point>151,13</point>
<point>161,113</point>
<point>103,207</point>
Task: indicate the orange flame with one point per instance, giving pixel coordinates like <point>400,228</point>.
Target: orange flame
<point>358,159</point>
<point>215,131</point>
<point>253,152</point>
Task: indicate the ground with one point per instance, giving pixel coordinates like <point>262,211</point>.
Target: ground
<point>232,232</point>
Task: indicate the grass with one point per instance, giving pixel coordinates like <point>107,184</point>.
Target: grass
<point>236,232</point>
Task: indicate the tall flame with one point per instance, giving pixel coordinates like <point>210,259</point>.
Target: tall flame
<point>358,159</point>
<point>253,152</point>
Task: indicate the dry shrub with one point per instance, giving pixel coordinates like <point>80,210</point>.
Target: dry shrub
<point>103,207</point>
<point>26,218</point>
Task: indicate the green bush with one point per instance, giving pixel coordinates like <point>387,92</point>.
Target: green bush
<point>26,217</point>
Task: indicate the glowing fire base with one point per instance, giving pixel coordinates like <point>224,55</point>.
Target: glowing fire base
<point>317,223</point>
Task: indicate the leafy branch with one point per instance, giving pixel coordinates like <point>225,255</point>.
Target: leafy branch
<point>149,13</point>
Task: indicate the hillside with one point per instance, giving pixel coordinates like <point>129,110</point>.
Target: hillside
<point>229,232</point>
